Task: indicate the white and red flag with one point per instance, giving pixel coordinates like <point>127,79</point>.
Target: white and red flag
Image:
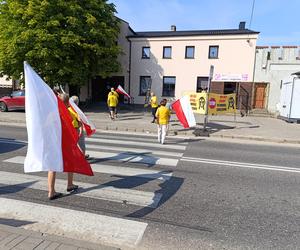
<point>88,125</point>
<point>184,112</point>
<point>52,139</point>
<point>120,90</point>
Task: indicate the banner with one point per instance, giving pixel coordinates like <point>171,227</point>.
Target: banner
<point>217,104</point>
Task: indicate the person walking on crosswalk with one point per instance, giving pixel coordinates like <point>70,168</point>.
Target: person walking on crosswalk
<point>112,102</point>
<point>154,105</point>
<point>117,95</point>
<point>163,118</point>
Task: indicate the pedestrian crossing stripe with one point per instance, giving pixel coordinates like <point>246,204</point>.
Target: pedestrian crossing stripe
<point>141,139</point>
<point>101,192</point>
<point>79,225</point>
<point>134,150</point>
<point>115,170</point>
<point>134,143</point>
<point>133,158</point>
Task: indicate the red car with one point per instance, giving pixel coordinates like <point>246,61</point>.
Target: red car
<point>16,101</point>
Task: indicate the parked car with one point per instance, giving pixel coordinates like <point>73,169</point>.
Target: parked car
<point>16,101</point>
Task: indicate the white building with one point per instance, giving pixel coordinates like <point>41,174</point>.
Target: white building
<point>272,65</point>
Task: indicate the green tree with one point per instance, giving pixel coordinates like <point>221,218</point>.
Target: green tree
<point>66,41</point>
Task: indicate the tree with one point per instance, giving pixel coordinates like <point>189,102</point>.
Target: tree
<point>66,41</point>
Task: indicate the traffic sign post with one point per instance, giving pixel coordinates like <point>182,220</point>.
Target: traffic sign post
<point>210,102</point>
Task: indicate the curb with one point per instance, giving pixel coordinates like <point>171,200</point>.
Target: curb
<point>175,133</point>
<point>253,138</point>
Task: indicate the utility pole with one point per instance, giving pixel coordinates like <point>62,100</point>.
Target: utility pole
<point>211,73</point>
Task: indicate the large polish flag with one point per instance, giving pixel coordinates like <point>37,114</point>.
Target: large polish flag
<point>184,112</point>
<point>120,90</point>
<point>89,127</point>
<point>52,139</point>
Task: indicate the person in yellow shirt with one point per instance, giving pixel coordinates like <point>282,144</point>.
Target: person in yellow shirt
<point>163,118</point>
<point>154,105</point>
<point>112,90</point>
<point>112,102</point>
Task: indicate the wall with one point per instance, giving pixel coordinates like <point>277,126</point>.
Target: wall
<point>236,56</point>
<point>283,61</point>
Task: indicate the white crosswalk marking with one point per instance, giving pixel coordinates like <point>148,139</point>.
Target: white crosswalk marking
<point>135,197</point>
<point>133,158</point>
<point>134,150</point>
<point>152,139</point>
<point>135,143</point>
<point>108,156</point>
<point>120,170</point>
<point>74,224</point>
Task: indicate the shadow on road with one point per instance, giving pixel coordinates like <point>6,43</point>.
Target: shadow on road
<point>167,189</point>
<point>8,145</point>
<point>144,158</point>
<point>15,223</point>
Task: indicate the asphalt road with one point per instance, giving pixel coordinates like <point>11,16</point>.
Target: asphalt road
<point>220,195</point>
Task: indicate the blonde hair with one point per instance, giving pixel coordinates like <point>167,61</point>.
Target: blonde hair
<point>75,99</point>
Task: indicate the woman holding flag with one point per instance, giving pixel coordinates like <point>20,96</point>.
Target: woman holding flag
<point>52,139</point>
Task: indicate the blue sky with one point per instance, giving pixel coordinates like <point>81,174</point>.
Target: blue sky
<point>277,20</point>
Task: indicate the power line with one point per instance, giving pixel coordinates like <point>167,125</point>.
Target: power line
<point>253,5</point>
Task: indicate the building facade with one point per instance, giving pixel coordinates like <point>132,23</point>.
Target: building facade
<point>272,65</point>
<point>173,62</point>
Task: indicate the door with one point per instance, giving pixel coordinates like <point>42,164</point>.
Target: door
<point>260,95</point>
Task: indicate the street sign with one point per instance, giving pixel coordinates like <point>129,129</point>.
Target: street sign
<point>212,103</point>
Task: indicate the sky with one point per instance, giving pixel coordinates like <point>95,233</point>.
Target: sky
<point>278,21</point>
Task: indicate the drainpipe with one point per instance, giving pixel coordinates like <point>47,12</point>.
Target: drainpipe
<point>291,102</point>
<point>129,71</point>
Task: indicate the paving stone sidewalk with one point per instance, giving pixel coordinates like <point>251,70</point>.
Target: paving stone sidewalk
<point>137,119</point>
<point>20,239</point>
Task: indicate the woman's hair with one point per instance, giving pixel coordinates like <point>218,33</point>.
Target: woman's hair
<point>75,99</point>
<point>65,98</point>
<point>163,102</point>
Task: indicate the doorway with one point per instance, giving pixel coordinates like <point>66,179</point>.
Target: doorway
<point>101,87</point>
<point>260,95</point>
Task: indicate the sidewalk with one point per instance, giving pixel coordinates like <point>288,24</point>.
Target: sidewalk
<point>21,239</point>
<point>137,119</point>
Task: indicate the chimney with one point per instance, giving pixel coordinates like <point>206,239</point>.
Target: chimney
<point>173,27</point>
<point>242,25</point>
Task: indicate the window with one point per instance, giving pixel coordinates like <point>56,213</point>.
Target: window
<point>202,83</point>
<point>18,93</point>
<point>146,52</point>
<point>229,87</point>
<point>189,52</point>
<point>213,52</point>
<point>167,53</point>
<point>145,84</point>
<point>169,86</point>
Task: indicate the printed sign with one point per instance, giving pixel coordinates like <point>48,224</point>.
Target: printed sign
<point>231,77</point>
<point>217,104</point>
